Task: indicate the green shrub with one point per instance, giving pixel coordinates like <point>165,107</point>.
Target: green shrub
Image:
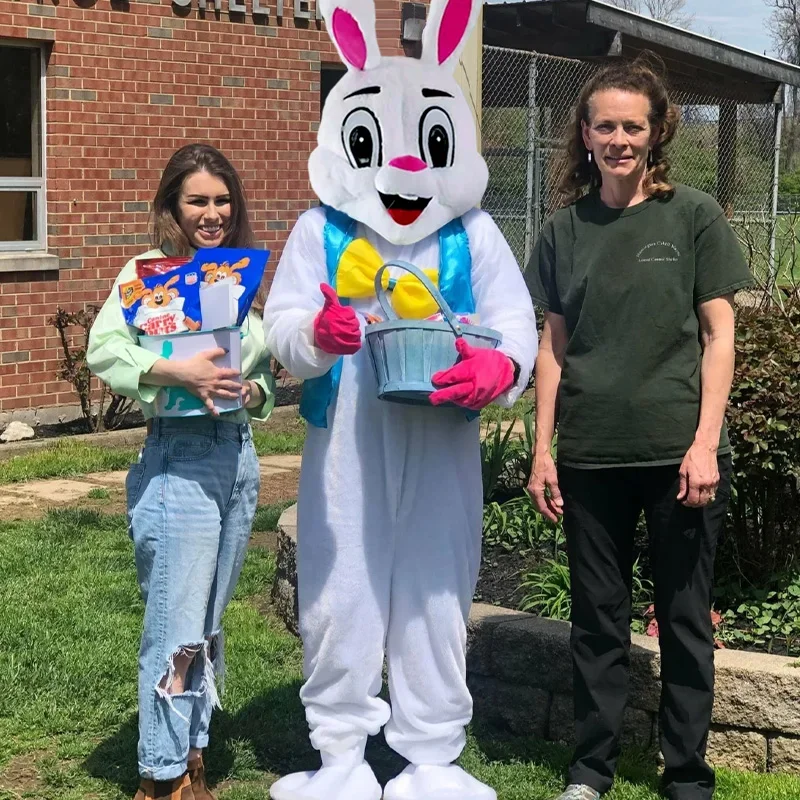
<point>518,525</point>
<point>506,459</point>
<point>789,183</point>
<point>73,369</point>
<point>548,592</point>
<point>764,425</point>
<point>767,618</point>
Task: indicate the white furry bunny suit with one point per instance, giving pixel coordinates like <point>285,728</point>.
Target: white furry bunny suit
<point>390,499</point>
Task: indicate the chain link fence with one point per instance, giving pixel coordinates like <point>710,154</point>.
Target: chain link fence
<point>722,147</point>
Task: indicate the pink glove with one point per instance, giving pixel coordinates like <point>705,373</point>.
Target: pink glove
<point>336,328</point>
<point>480,376</point>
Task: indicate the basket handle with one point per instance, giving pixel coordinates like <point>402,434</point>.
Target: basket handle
<point>390,313</point>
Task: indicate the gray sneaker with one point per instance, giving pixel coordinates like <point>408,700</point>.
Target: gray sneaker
<point>579,792</point>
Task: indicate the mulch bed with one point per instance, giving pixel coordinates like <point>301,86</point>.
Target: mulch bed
<point>500,576</point>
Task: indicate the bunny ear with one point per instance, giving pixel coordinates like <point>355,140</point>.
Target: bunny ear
<point>351,26</point>
<point>449,24</point>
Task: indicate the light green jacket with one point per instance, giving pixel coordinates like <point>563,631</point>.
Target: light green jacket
<point>115,357</point>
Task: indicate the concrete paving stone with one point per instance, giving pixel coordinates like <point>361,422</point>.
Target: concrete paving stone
<point>267,471</point>
<point>286,462</point>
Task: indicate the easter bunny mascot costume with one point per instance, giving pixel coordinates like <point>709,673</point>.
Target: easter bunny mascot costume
<point>390,498</point>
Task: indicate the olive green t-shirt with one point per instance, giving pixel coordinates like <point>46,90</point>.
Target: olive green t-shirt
<point>628,283</point>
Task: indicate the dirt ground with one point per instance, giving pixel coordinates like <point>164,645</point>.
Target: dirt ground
<point>21,777</point>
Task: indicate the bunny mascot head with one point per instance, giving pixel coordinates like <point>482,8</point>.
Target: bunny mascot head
<point>397,148</point>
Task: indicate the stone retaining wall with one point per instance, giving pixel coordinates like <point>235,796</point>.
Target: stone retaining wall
<point>284,588</point>
<point>520,673</point>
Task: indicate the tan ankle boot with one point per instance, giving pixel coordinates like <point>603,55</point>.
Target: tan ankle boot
<point>178,789</point>
<point>197,774</point>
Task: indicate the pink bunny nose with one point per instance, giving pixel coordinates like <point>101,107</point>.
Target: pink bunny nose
<point>408,163</point>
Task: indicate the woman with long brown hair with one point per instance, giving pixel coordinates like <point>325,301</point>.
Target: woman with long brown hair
<point>636,275</point>
<point>192,494</point>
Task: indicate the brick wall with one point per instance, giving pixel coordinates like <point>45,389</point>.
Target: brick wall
<point>127,84</point>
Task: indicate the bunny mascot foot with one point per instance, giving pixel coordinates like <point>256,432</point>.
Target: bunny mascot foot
<point>430,782</point>
<point>343,777</point>
<point>329,783</point>
<point>390,497</point>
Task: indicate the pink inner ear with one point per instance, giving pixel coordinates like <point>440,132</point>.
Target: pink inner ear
<point>454,24</point>
<point>348,36</point>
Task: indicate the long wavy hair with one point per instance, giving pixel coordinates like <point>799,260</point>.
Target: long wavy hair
<point>644,75</point>
<point>165,229</point>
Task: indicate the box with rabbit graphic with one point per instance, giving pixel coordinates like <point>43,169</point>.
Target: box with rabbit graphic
<point>175,401</point>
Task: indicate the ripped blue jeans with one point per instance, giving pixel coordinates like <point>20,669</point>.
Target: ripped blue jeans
<point>191,501</point>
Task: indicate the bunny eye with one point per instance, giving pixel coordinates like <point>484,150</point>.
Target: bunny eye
<point>361,137</point>
<point>436,138</point>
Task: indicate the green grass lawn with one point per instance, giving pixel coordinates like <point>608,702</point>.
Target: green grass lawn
<point>69,635</point>
<point>266,518</point>
<point>271,443</point>
<point>67,458</point>
<point>63,459</point>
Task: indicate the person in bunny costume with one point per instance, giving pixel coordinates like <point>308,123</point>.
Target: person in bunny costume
<point>390,498</point>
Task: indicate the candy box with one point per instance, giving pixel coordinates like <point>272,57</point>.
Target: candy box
<point>219,304</point>
<point>175,401</point>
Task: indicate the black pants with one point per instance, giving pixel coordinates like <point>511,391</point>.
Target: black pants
<point>601,510</point>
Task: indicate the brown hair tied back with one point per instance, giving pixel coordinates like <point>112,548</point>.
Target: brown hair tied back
<point>644,75</point>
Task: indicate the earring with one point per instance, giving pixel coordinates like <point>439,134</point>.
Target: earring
<point>650,159</point>
<point>589,155</point>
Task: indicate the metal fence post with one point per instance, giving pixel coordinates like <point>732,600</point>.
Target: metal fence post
<point>773,264</point>
<point>531,184</point>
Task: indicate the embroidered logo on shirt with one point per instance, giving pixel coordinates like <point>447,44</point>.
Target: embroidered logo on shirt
<point>658,251</point>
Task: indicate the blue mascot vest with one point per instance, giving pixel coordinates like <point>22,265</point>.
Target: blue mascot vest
<point>455,284</point>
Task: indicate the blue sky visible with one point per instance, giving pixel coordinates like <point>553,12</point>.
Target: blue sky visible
<point>738,22</point>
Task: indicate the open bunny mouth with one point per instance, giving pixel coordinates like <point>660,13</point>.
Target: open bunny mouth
<point>404,209</point>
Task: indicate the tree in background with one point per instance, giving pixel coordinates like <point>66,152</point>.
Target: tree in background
<point>672,11</point>
<point>784,28</point>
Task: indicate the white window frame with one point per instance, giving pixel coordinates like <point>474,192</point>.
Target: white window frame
<point>34,185</point>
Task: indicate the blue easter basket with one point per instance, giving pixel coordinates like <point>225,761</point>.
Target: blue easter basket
<point>406,353</point>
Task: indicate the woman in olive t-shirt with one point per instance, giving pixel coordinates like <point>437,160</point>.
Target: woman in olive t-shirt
<point>636,276</point>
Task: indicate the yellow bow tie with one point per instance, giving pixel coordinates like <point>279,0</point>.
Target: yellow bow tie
<point>355,279</point>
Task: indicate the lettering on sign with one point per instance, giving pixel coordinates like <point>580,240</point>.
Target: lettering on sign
<point>299,9</point>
